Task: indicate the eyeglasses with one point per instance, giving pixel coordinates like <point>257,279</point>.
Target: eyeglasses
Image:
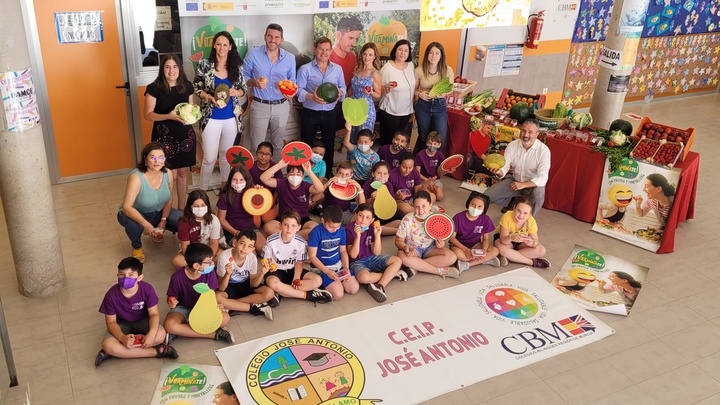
<point>264,154</point>
<point>160,159</point>
<point>208,263</point>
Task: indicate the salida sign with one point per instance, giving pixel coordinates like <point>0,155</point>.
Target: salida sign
<point>610,58</point>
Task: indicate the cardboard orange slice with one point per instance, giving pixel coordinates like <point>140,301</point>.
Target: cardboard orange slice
<point>256,202</point>
<point>236,155</point>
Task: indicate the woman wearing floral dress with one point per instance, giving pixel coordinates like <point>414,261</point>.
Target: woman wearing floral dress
<point>366,83</point>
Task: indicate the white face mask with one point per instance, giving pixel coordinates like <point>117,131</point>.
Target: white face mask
<point>294,180</point>
<point>238,187</point>
<point>474,212</point>
<point>364,148</point>
<point>381,179</point>
<point>199,211</point>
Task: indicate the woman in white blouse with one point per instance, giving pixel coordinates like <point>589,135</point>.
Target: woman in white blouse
<point>396,104</point>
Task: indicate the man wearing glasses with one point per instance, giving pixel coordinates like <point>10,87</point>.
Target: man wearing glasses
<point>529,161</point>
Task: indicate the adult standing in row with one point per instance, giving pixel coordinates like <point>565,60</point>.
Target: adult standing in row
<point>349,29</point>
<point>222,111</point>
<point>431,112</point>
<point>264,67</point>
<point>316,112</point>
<point>170,88</point>
<point>396,104</point>
<point>366,83</point>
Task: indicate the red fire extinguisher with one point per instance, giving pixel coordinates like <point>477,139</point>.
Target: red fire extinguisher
<point>535,25</point>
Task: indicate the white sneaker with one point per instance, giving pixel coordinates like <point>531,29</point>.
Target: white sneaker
<point>463,266</point>
<point>451,272</point>
<point>495,262</point>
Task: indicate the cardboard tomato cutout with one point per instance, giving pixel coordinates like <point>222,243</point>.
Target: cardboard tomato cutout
<point>236,155</point>
<point>296,153</point>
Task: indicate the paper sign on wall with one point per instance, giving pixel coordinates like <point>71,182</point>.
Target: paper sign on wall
<point>79,27</point>
<point>18,100</point>
<point>610,58</point>
<point>503,60</point>
<point>163,18</point>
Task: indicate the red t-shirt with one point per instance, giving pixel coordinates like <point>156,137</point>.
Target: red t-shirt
<point>347,64</point>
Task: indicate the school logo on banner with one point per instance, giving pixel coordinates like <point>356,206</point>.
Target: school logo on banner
<point>511,303</point>
<point>310,370</point>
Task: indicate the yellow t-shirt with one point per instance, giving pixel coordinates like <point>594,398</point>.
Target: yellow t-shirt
<point>530,227</point>
<point>426,82</point>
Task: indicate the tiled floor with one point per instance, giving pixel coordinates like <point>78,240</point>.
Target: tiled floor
<point>666,352</point>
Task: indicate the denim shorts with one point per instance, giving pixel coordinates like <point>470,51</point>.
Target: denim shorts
<point>372,263</point>
<point>184,311</point>
<point>422,252</point>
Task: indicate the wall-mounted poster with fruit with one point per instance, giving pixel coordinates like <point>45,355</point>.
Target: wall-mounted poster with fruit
<point>190,384</point>
<point>635,202</point>
<point>383,28</point>
<point>600,282</point>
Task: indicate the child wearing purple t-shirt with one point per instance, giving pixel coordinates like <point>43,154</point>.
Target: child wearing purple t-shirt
<point>132,317</point>
<point>391,153</point>
<point>231,213</point>
<point>293,195</point>
<point>406,182</point>
<point>428,161</point>
<point>381,173</point>
<point>182,297</point>
<point>473,231</point>
<point>343,176</point>
<point>364,246</point>
<point>263,161</point>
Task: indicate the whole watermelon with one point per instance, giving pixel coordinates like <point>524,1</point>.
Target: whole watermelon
<point>328,92</point>
<point>520,112</point>
<point>622,125</point>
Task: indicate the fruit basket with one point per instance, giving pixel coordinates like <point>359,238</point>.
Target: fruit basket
<point>509,97</point>
<point>667,154</point>
<point>649,129</point>
<point>546,120</point>
<point>645,149</point>
<point>461,89</point>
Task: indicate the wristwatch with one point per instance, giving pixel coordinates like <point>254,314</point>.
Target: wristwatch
<point>163,219</point>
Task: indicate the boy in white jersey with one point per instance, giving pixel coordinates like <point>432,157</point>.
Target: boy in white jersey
<point>288,251</point>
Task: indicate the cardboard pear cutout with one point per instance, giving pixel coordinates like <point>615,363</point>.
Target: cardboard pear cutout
<point>385,205</point>
<point>205,317</point>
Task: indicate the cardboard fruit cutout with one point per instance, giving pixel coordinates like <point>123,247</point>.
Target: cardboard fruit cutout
<point>385,205</point>
<point>257,202</point>
<point>439,226</point>
<point>236,155</point>
<point>205,316</point>
<point>296,153</point>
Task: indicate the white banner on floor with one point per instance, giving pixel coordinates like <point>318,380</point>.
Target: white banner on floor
<point>415,349</point>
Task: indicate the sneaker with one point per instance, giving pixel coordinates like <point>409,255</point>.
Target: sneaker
<point>463,265</point>
<point>320,296</point>
<point>377,291</point>
<point>401,275</point>
<point>169,337</point>
<point>262,309</point>
<point>541,263</point>
<point>165,351</point>
<point>138,254</point>
<point>224,335</point>
<point>101,356</point>
<point>451,272</point>
<point>233,312</point>
<point>274,301</point>
<point>503,260</point>
<point>495,262</point>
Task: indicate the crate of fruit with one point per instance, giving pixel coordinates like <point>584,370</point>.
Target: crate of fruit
<point>462,86</point>
<point>645,149</point>
<point>651,130</point>
<point>667,154</point>
<point>508,98</point>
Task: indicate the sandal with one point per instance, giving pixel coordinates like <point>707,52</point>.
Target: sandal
<point>162,350</point>
<point>101,356</point>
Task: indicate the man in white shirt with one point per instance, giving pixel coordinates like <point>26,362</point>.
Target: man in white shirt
<point>529,160</point>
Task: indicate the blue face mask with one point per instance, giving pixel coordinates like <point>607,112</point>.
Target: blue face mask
<point>315,158</point>
<point>127,282</point>
<point>364,228</point>
<point>208,269</point>
<point>431,149</point>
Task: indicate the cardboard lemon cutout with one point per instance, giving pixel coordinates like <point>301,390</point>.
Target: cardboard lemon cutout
<point>236,155</point>
<point>385,205</point>
<point>256,202</point>
<point>205,317</point>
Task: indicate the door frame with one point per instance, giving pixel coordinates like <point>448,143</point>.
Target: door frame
<point>40,82</point>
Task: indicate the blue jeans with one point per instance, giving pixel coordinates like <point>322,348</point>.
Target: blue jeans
<point>134,230</point>
<point>431,115</point>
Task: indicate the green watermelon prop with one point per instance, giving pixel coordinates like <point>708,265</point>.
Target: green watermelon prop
<point>236,155</point>
<point>343,192</point>
<point>328,92</point>
<point>439,226</point>
<point>452,163</point>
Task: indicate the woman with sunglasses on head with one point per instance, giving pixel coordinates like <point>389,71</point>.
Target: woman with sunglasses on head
<point>147,205</point>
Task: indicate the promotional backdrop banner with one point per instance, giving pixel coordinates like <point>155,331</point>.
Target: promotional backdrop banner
<point>416,349</point>
<point>454,14</point>
<point>629,207</point>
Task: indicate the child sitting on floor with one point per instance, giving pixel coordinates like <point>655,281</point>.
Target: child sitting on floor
<point>132,317</point>
<point>516,236</point>
<point>343,177</point>
<point>428,161</point>
<point>381,173</point>
<point>197,225</point>
<point>473,231</point>
<point>361,156</point>
<point>406,182</point>
<point>391,153</point>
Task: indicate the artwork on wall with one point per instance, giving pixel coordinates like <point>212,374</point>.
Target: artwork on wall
<point>593,20</point>
<point>663,66</point>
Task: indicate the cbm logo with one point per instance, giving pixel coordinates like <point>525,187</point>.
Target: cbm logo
<point>191,6</point>
<point>324,4</point>
<point>538,338</point>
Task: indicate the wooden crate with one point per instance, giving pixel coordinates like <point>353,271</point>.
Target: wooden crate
<point>686,142</point>
<point>540,98</point>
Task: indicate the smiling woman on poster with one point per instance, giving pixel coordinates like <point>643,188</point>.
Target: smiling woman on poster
<point>225,395</point>
<point>661,195</point>
<point>622,283</point>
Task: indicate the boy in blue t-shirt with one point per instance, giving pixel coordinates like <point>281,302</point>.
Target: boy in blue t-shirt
<point>328,254</point>
<point>361,155</point>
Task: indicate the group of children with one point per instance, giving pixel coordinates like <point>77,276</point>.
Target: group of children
<point>343,250</point>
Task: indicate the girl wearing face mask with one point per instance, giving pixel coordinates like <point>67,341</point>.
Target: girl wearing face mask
<point>197,225</point>
<point>293,194</point>
<point>473,231</point>
<point>263,161</point>
<point>231,213</point>
<point>381,173</point>
<point>417,250</point>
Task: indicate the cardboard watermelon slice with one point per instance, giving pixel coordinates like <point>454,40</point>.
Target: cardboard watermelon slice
<point>439,226</point>
<point>343,192</point>
<point>452,162</point>
<point>296,153</point>
<point>236,155</point>
<point>257,201</point>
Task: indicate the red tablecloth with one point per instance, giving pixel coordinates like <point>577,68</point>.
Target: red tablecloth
<point>576,175</point>
<point>458,127</point>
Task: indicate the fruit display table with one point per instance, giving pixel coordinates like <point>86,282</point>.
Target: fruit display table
<point>574,186</point>
<point>458,127</point>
